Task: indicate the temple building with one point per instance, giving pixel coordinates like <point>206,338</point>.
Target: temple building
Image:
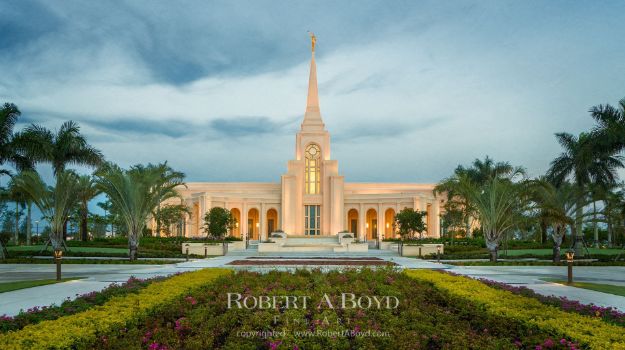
<point>312,197</point>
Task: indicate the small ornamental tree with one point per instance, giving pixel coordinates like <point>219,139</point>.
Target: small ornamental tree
<point>409,222</point>
<point>218,222</point>
<point>169,215</point>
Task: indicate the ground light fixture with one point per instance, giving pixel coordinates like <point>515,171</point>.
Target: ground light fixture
<point>58,255</point>
<point>570,254</point>
<point>438,253</point>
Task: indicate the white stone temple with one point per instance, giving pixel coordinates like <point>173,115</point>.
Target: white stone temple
<point>312,197</point>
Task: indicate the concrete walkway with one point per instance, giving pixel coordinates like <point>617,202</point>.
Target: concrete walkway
<point>531,277</point>
<point>97,277</point>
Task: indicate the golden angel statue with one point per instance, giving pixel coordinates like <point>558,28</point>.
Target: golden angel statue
<point>313,40</point>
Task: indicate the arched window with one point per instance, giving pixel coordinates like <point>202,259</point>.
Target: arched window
<point>312,158</point>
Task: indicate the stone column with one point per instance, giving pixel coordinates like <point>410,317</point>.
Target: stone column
<point>381,223</point>
<point>436,219</point>
<point>362,233</point>
<point>243,224</point>
<point>262,218</point>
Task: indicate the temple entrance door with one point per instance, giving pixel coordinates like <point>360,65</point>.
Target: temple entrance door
<point>271,226</point>
<point>374,232</point>
<point>354,227</point>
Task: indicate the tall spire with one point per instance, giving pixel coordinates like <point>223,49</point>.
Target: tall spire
<point>312,117</point>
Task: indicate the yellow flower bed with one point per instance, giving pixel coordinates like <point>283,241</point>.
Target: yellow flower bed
<point>589,331</point>
<point>80,330</point>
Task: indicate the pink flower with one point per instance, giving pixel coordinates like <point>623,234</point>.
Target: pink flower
<point>538,347</point>
<point>154,346</point>
<point>146,337</point>
<point>274,345</point>
<point>549,343</point>
<point>179,325</point>
<point>191,300</point>
<point>563,341</point>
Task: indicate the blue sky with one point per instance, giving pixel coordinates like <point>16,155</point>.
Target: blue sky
<point>408,89</point>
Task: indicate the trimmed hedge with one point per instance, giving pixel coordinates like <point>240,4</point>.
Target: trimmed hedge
<point>81,330</point>
<point>590,332</point>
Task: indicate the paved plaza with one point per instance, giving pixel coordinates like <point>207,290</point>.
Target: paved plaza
<point>97,277</point>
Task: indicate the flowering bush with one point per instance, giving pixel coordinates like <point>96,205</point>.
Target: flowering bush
<point>590,332</point>
<point>116,316</point>
<point>70,307</point>
<point>608,314</point>
<point>424,319</point>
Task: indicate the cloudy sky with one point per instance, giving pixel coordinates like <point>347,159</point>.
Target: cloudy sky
<point>408,90</point>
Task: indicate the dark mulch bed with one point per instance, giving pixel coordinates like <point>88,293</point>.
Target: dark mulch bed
<point>310,258</point>
<point>312,262</point>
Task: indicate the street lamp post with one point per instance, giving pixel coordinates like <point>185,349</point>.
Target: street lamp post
<point>37,225</point>
<point>58,254</point>
<point>438,253</point>
<point>569,261</point>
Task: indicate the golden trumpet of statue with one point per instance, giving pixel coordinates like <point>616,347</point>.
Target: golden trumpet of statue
<point>313,40</point>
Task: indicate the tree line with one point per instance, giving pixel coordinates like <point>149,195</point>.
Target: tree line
<point>581,188</point>
<point>134,195</point>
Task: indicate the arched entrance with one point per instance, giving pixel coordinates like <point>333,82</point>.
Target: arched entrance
<point>371,224</point>
<point>352,222</point>
<point>272,221</point>
<point>236,214</point>
<point>389,223</point>
<point>253,225</point>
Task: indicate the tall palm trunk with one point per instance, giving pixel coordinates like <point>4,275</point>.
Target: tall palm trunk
<point>84,213</point>
<point>609,222</point>
<point>557,242</point>
<point>133,245</point>
<point>65,230</point>
<point>3,251</point>
<point>492,248</point>
<point>595,226</point>
<point>28,223</point>
<point>17,224</point>
<point>158,221</point>
<point>578,244</point>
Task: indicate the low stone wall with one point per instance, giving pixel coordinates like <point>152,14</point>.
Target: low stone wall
<point>421,249</point>
<point>204,248</point>
<point>236,245</point>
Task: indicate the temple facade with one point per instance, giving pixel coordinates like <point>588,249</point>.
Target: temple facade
<point>312,197</point>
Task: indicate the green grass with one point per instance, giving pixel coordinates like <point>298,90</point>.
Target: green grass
<point>37,248</point>
<point>11,286</point>
<point>531,263</point>
<point>605,288</point>
<point>549,252</point>
<point>89,261</point>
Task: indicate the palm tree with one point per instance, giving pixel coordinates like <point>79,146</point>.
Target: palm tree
<point>55,203</point>
<point>479,173</point>
<point>135,193</point>
<point>66,146</point>
<point>585,163</point>
<point>558,208</point>
<point>614,212</point>
<point>9,114</point>
<point>87,190</point>
<point>21,198</point>
<point>500,205</point>
<point>168,177</point>
<point>610,130</point>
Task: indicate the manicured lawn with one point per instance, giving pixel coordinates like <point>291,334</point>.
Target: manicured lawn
<point>549,252</point>
<point>605,288</point>
<point>10,286</point>
<point>37,248</point>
